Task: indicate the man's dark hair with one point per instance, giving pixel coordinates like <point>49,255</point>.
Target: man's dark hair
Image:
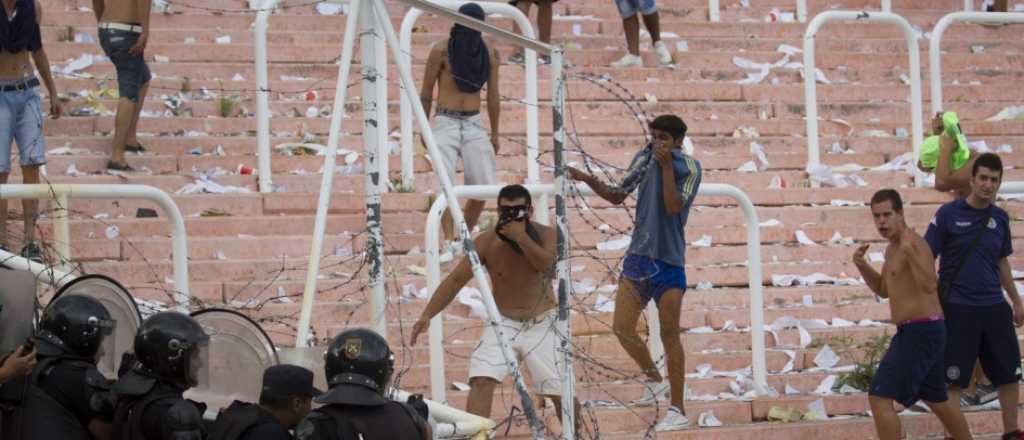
<point>889,195</point>
<point>512,192</point>
<point>274,401</point>
<point>990,161</point>
<point>671,124</point>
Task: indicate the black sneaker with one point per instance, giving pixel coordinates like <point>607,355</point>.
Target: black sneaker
<point>986,393</point>
<point>32,252</point>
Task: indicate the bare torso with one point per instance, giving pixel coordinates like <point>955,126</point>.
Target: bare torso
<point>122,11</point>
<point>906,301</point>
<point>449,96</point>
<point>14,65</point>
<point>520,291</point>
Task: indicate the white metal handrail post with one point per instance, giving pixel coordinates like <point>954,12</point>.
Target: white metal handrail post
<point>408,87</point>
<point>1016,187</point>
<point>375,174</point>
<point>886,5</point>
<point>259,29</point>
<point>64,192</point>
<point>754,272</point>
<point>810,86</point>
<point>532,124</point>
<point>935,44</point>
<point>562,246</point>
<point>326,182</point>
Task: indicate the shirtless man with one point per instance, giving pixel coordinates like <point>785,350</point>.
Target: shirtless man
<point>460,67</point>
<point>913,367</point>
<point>519,256</point>
<point>124,32</point>
<point>21,114</point>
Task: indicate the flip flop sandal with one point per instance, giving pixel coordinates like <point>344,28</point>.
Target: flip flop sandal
<point>138,148</point>
<point>118,166</point>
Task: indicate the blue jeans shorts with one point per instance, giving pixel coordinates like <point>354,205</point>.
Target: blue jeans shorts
<point>629,8</point>
<point>21,122</point>
<point>652,278</point>
<point>132,71</point>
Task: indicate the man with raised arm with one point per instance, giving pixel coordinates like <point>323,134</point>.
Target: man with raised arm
<point>519,255</point>
<point>460,66</point>
<point>913,367</point>
<point>667,180</point>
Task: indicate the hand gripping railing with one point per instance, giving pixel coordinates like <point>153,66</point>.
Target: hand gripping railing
<point>935,44</point>
<point>810,87</point>
<point>754,274</point>
<point>61,193</point>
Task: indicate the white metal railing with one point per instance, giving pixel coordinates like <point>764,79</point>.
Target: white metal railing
<point>532,126</point>
<point>810,86</point>
<point>61,193</point>
<point>433,263</point>
<point>934,45</point>
<point>714,14</point>
<point>263,150</point>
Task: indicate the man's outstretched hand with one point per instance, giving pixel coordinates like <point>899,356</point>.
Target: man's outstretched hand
<point>420,327</point>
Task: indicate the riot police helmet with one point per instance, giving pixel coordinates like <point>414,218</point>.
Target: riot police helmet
<point>74,325</point>
<point>173,347</point>
<point>358,364</point>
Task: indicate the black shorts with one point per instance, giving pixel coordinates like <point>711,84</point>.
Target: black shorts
<point>912,367</point>
<point>981,333</point>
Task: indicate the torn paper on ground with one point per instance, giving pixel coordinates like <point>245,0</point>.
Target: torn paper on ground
<point>112,232</point>
<point>206,186</point>
<point>82,62</point>
<point>770,223</point>
<point>791,354</point>
<point>747,167</point>
<point>785,322</point>
<point>472,298</point>
<point>841,202</point>
<point>838,239</point>
<point>1008,113</point>
<point>705,285</point>
<point>604,304</point>
<point>707,419</point>
<point>790,391</point>
<point>816,411</point>
<point>801,237</point>
<point>826,358</point>
<point>825,387</point>
<point>614,245</point>
<point>704,241</point>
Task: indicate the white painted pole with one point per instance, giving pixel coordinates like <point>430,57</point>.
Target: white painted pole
<point>62,232</point>
<point>330,158</point>
<point>263,166</point>
<point>713,14</point>
<point>886,5</point>
<point>375,173</point>
<point>436,333</point>
<point>562,263</point>
<point>801,11</point>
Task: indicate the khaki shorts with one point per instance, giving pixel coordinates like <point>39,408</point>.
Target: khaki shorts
<point>532,341</point>
<point>465,137</point>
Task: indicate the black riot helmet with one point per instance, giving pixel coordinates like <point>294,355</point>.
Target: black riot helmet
<point>358,364</point>
<point>173,347</point>
<point>74,325</point>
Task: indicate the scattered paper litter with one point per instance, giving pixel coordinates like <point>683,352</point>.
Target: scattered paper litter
<point>161,58</point>
<point>705,285</point>
<point>838,239</point>
<point>1013,112</point>
<point>472,298</point>
<point>826,358</point>
<point>459,386</point>
<point>604,304</point>
<point>876,257</point>
<point>72,171</point>
<point>801,237</point>
<point>847,389</point>
<point>825,387</point>
<point>704,241</point>
<point>816,411</point>
<point>841,202</point>
<point>840,322</point>
<point>112,232</point>
<point>747,167</point>
<point>223,39</point>
<point>707,419</point>
<point>325,8</point>
<point>82,62</point>
<point>238,77</point>
<point>758,151</point>
<point>220,255</point>
<point>614,245</point>
<point>205,186</point>
<point>790,391</point>
<point>682,46</point>
<point>791,354</point>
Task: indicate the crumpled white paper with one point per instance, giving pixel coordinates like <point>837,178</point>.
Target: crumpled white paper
<point>616,244</point>
<point>838,239</point>
<point>758,151</point>
<point>816,411</point>
<point>82,62</point>
<point>826,358</point>
<point>1012,112</point>
<point>604,304</point>
<point>771,223</point>
<point>825,387</point>
<point>112,232</point>
<point>747,167</point>
<point>704,241</point>
<point>707,419</point>
<point>790,391</point>
<point>204,185</point>
<point>705,285</point>
<point>801,237</point>
<point>472,298</point>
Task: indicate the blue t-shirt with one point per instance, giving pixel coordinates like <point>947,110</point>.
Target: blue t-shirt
<point>950,235</point>
<point>656,233</point>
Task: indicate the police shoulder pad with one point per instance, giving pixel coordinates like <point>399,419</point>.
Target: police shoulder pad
<point>95,379</point>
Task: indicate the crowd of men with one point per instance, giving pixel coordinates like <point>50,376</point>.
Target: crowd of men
<point>955,326</point>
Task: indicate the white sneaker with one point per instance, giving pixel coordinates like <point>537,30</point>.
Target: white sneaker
<point>664,57</point>
<point>674,420</point>
<point>629,60</point>
<point>653,391</point>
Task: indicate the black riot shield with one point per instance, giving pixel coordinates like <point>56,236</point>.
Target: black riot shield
<point>123,310</point>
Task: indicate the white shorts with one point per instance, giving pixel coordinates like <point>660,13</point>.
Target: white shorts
<point>532,341</point>
<point>464,137</point>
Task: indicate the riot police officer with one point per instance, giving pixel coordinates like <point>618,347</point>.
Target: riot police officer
<point>286,397</point>
<point>170,350</point>
<point>66,396</point>
<point>359,364</point>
